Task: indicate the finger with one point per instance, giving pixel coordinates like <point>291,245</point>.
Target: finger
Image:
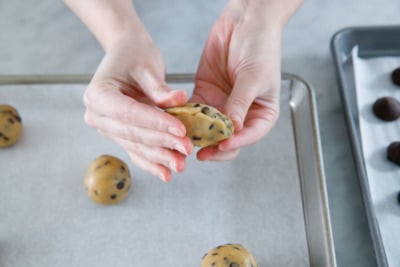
<point>214,154</point>
<point>155,87</point>
<point>254,130</point>
<point>155,169</point>
<point>139,134</point>
<point>244,92</point>
<point>153,159</point>
<point>114,104</point>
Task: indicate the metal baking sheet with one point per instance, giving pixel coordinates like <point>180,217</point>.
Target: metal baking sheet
<point>272,198</point>
<point>372,42</point>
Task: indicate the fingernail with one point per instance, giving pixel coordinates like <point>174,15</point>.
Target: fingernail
<point>172,166</point>
<point>175,131</point>
<point>180,148</point>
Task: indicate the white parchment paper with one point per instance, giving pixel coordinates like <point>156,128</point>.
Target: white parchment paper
<point>46,218</point>
<point>373,81</point>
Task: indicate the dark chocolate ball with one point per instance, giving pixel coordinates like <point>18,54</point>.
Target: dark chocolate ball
<point>393,152</point>
<point>396,76</point>
<point>387,108</point>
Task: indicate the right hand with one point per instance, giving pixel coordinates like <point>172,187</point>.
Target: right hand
<point>123,102</point>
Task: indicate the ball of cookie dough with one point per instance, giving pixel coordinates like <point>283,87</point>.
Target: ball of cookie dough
<point>107,180</point>
<point>229,255</point>
<point>205,125</point>
<point>10,125</point>
<point>387,108</point>
<point>393,152</point>
<point>395,76</point>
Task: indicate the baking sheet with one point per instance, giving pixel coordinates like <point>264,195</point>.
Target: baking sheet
<point>271,198</point>
<point>373,43</point>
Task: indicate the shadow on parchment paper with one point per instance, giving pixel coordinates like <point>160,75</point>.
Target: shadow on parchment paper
<point>389,205</point>
<point>378,160</point>
<point>368,115</point>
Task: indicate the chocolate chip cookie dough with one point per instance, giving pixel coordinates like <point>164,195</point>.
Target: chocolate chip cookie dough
<point>10,125</point>
<point>229,255</point>
<point>205,125</point>
<point>107,180</point>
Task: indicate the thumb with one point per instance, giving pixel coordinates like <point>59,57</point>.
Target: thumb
<point>157,90</point>
<point>242,96</point>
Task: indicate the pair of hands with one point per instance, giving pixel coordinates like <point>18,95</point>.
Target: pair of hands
<point>238,73</point>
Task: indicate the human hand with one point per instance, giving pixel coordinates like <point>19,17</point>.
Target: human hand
<point>239,72</point>
<point>123,102</point>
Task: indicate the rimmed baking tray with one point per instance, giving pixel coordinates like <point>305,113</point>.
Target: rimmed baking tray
<point>272,198</point>
<point>372,42</point>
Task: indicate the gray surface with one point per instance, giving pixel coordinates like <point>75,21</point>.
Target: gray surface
<point>48,220</point>
<point>44,37</point>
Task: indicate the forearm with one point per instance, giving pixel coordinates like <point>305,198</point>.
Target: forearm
<point>108,20</point>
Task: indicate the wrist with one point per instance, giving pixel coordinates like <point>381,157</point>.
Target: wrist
<point>271,14</point>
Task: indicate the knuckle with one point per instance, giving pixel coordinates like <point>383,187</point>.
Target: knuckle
<point>88,118</point>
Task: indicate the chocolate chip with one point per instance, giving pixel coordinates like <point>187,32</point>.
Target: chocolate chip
<point>5,138</point>
<point>95,192</point>
<point>113,196</point>
<point>213,263</point>
<point>398,197</point>
<point>10,120</point>
<point>205,110</point>
<point>196,138</point>
<point>237,248</point>
<point>122,169</point>
<point>197,105</point>
<point>205,255</point>
<point>393,152</point>
<point>211,126</point>
<point>234,264</point>
<point>395,76</point>
<point>1,134</point>
<point>106,162</point>
<point>120,185</point>
<point>215,254</point>
<point>18,118</point>
<point>221,132</point>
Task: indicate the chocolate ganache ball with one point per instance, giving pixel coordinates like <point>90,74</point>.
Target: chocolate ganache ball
<point>393,152</point>
<point>395,76</point>
<point>387,108</point>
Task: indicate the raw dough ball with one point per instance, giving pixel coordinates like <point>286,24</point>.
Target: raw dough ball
<point>10,125</point>
<point>393,152</point>
<point>205,125</point>
<point>229,255</point>
<point>395,76</point>
<point>387,108</point>
<point>107,180</point>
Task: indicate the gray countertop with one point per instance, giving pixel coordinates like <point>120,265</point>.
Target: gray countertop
<point>45,37</point>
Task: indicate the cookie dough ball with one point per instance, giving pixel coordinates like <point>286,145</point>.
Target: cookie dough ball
<point>386,108</point>
<point>107,180</point>
<point>395,76</point>
<point>205,125</point>
<point>229,255</point>
<point>393,152</point>
<point>10,125</point>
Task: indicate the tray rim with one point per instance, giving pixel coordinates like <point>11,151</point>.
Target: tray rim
<point>328,241</point>
<point>353,129</point>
